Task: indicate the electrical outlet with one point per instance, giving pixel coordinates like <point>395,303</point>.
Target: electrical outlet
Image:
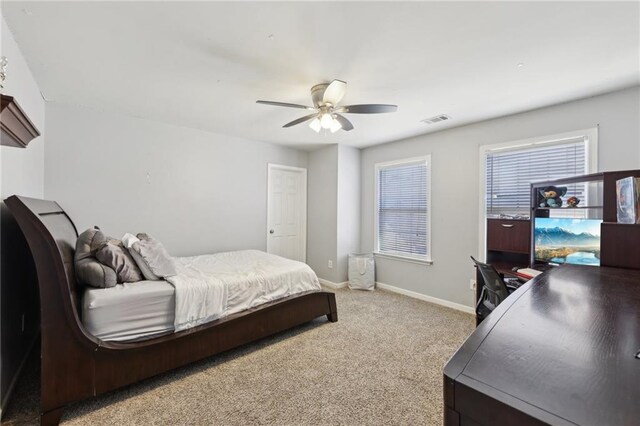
<point>330,264</point>
<point>472,285</point>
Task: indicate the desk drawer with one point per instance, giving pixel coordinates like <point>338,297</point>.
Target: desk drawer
<point>509,235</point>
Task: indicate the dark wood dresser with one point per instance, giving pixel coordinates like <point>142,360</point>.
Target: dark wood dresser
<point>561,350</point>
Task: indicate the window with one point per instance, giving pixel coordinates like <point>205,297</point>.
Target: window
<point>403,208</point>
<point>510,170</point>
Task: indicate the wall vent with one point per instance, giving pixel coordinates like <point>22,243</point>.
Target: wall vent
<point>436,119</point>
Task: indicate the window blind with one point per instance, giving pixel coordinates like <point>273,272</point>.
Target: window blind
<point>403,201</point>
<point>509,174</point>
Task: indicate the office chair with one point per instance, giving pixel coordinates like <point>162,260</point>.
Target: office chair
<point>494,290</point>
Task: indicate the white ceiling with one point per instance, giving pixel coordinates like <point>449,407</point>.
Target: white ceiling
<point>204,64</point>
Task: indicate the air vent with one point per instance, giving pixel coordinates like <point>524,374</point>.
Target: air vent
<point>436,119</point>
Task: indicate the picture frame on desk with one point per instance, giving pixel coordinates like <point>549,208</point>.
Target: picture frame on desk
<point>628,200</point>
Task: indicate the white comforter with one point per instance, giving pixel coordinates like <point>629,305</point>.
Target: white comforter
<point>212,286</point>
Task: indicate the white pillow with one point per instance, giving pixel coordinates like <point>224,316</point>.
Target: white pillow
<point>153,255</point>
<point>128,240</point>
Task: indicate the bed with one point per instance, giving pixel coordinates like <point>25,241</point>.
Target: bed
<point>146,309</point>
<point>76,364</point>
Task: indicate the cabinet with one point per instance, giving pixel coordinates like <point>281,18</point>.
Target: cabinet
<point>508,246</point>
<point>621,245</point>
<point>513,236</point>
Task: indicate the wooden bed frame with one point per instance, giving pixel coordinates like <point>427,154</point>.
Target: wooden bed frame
<point>77,365</point>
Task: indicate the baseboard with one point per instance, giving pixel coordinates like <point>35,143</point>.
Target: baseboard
<point>14,380</point>
<point>442,302</point>
<point>332,284</point>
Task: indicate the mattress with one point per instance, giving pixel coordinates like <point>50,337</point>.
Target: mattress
<point>215,285</point>
<point>209,287</point>
<point>131,311</point>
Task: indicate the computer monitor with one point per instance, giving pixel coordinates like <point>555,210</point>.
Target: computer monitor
<point>567,240</point>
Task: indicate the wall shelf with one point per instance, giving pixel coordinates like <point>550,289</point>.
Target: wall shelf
<point>569,208</point>
<point>16,128</point>
<point>619,243</point>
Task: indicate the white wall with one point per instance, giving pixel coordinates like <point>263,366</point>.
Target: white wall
<point>455,174</point>
<point>322,207</point>
<point>197,192</point>
<point>22,168</point>
<point>334,210</point>
<point>348,211</point>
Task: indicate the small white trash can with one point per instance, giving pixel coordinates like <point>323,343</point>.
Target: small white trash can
<point>362,271</point>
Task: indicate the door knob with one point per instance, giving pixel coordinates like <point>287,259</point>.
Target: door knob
<point>271,231</point>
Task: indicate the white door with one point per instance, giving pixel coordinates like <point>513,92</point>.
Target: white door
<point>287,212</point>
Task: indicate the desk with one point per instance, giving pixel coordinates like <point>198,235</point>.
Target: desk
<point>560,350</point>
<point>506,268</point>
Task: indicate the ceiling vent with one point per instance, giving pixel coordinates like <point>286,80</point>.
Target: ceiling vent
<point>436,119</point>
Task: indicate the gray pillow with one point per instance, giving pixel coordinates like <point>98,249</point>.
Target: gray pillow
<point>88,270</point>
<point>114,255</point>
<point>154,255</point>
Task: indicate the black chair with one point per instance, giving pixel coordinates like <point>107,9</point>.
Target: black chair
<point>494,291</point>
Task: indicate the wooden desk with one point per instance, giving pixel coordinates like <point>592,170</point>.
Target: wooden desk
<point>506,268</point>
<point>560,351</point>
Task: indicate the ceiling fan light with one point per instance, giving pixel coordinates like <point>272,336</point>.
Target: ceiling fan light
<point>326,121</point>
<point>335,126</point>
<point>315,124</point>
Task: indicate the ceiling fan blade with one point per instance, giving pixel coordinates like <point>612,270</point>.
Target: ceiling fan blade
<point>346,124</point>
<point>301,120</point>
<point>284,104</point>
<point>334,92</point>
<point>367,109</point>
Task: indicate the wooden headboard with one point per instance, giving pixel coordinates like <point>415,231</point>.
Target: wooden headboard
<point>60,228</point>
<point>52,236</point>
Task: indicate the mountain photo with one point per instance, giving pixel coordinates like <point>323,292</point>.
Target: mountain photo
<point>560,236</point>
<point>564,240</point>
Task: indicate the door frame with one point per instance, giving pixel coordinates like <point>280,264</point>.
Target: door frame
<point>303,231</point>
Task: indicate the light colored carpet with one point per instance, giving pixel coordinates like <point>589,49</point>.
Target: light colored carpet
<point>380,364</point>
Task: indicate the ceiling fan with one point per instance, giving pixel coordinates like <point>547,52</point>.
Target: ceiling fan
<point>326,112</point>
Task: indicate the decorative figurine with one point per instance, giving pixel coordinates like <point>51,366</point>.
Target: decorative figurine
<point>3,71</point>
<point>550,196</point>
<point>573,201</point>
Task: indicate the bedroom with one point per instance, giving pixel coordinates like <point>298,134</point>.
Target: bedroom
<point>148,123</point>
